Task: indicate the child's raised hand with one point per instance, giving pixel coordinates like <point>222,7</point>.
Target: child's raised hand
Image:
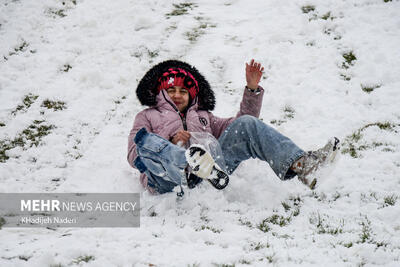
<point>253,74</point>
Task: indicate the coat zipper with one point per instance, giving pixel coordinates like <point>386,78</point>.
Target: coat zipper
<point>183,118</point>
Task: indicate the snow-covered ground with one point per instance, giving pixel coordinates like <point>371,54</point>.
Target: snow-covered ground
<point>68,75</point>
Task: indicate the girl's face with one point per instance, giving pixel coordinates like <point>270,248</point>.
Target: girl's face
<point>180,96</point>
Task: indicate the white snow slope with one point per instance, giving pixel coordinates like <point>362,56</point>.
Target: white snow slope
<point>68,74</point>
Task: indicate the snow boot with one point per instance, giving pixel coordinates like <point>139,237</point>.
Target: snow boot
<point>204,166</point>
<point>306,166</point>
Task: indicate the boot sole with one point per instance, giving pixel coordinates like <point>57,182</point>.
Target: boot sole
<point>222,179</point>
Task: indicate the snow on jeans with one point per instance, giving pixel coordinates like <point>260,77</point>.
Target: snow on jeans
<point>247,137</point>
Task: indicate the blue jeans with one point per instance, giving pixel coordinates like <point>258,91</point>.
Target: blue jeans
<point>247,137</point>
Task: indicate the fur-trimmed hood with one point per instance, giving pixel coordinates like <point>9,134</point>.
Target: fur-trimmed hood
<point>147,88</point>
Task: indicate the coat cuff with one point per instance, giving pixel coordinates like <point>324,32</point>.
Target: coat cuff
<point>257,91</point>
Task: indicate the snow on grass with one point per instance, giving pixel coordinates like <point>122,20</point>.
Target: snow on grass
<point>69,70</point>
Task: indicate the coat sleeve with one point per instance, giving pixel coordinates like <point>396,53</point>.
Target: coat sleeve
<point>250,105</point>
<point>140,122</point>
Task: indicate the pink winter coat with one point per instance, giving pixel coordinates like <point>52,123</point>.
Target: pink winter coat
<point>164,120</point>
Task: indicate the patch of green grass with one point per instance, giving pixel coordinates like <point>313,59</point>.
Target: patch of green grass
<point>258,246</point>
<point>181,9</point>
<point>307,9</point>
<point>351,143</point>
<point>336,196</point>
<point>245,223</point>
<point>197,32</point>
<point>224,265</point>
<point>20,48</point>
<point>32,135</point>
<point>296,212</point>
<point>327,16</point>
<point>57,12</point>
<point>193,35</point>
<point>28,100</point>
<point>54,105</point>
<point>378,144</point>
<point>264,226</point>
<point>368,198</point>
<point>279,220</point>
<point>356,136</point>
<point>318,196</point>
<point>286,206</point>
<point>296,200</point>
<point>366,235</point>
<point>35,132</point>
<point>277,122</point>
<point>212,229</point>
<point>345,77</point>
<point>66,68</point>
<point>381,244</point>
<point>293,204</point>
<point>369,88</point>
<point>348,245</point>
<point>384,125</point>
<point>289,112</point>
<point>85,258</point>
<point>270,258</point>
<point>387,1</point>
<point>349,59</point>
<point>2,124</point>
<point>323,227</point>
<point>351,150</point>
<point>204,218</point>
<point>390,200</point>
<point>328,31</point>
<point>273,219</point>
<point>205,25</point>
<point>366,231</point>
<point>24,258</point>
<point>152,54</point>
<point>373,195</point>
<point>4,146</point>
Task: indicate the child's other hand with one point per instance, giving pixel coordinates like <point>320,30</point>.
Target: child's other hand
<point>181,138</point>
<point>253,74</point>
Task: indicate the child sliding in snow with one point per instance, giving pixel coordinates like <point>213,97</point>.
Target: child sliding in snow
<point>180,102</point>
